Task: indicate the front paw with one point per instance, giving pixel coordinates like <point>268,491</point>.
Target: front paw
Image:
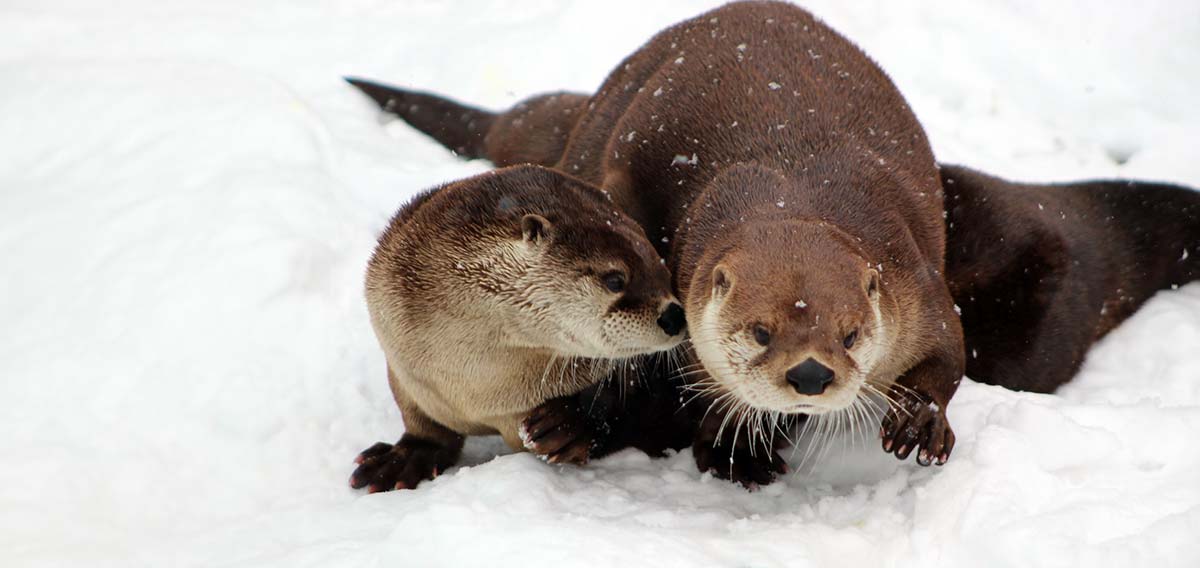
<point>914,421</point>
<point>559,431</point>
<point>738,464</point>
<point>402,465</point>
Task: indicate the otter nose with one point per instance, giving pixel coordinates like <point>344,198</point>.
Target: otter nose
<point>671,320</point>
<point>810,377</point>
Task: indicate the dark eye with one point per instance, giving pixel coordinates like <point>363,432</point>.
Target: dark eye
<point>850,339</point>
<point>614,281</point>
<point>761,335</point>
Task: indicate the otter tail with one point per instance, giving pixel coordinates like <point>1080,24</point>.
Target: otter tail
<point>1041,271</point>
<point>456,126</point>
<point>1163,223</point>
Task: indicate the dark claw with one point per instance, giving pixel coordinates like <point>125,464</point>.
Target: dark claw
<point>384,467</point>
<point>917,425</point>
<point>749,471</point>
<point>378,449</point>
<point>559,431</point>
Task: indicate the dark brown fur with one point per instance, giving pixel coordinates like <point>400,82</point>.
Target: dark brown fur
<point>775,108</point>
<point>1040,271</point>
<point>1043,271</point>
<point>534,131</point>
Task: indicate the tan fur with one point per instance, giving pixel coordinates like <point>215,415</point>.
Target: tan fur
<point>481,322</point>
<point>755,143</point>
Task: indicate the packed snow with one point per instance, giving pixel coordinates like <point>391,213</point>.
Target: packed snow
<point>189,194</point>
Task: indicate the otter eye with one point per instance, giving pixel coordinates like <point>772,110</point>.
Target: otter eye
<point>850,339</point>
<point>761,335</point>
<point>614,281</point>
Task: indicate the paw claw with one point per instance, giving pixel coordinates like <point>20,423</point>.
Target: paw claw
<point>403,465</point>
<point>561,433</point>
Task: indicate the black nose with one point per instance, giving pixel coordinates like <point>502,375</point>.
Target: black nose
<point>671,320</point>
<point>810,377</point>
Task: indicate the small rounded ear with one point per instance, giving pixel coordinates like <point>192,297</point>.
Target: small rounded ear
<point>535,228</point>
<point>722,281</point>
<point>871,283</point>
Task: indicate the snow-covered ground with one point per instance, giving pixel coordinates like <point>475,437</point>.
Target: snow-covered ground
<point>188,195</point>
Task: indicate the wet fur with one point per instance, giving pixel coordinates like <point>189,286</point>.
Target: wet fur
<point>1043,271</point>
<point>766,125</point>
<point>1001,248</point>
<point>483,316</point>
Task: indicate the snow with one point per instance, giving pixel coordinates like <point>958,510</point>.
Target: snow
<point>189,194</point>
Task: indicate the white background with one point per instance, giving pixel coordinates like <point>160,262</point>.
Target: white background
<point>189,193</point>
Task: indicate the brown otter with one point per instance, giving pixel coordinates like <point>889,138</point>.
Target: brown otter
<point>799,206</point>
<point>533,131</point>
<point>495,294</point>
<point>1042,271</point>
<point>1009,262</point>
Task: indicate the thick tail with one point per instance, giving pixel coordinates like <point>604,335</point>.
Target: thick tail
<point>1162,221</point>
<point>1041,272</point>
<point>456,126</point>
<point>1149,232</point>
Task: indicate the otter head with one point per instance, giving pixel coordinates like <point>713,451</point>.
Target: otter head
<point>593,285</point>
<point>788,319</point>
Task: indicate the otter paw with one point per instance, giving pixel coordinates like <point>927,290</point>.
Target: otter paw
<point>738,465</point>
<point>402,465</point>
<point>914,422</point>
<point>558,431</point>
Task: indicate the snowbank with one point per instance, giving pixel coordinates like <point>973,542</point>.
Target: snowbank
<point>188,195</point>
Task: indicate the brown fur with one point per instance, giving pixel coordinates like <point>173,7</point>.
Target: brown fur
<point>755,143</point>
<point>486,293</point>
<point>1042,271</point>
<point>533,131</point>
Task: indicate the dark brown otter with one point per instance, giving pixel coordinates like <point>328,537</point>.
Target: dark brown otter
<point>1042,271</point>
<point>1010,251</point>
<point>798,204</point>
<point>534,131</point>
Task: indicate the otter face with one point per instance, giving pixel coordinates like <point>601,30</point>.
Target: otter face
<point>602,288</point>
<point>789,322</point>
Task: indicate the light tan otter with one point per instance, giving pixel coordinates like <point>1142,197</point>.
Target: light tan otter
<point>495,294</point>
<point>798,204</point>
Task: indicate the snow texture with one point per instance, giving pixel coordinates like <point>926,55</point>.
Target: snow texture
<point>189,194</point>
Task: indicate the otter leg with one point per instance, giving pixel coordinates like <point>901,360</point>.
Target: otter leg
<point>425,450</point>
<point>916,417</point>
<point>648,414</point>
<point>559,431</point>
<point>730,453</point>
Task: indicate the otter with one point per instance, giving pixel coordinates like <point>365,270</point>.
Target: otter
<point>496,294</point>
<point>798,204</point>
<point>1043,271</point>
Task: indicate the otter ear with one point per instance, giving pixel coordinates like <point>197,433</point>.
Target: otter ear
<point>722,281</point>
<point>535,229</point>
<point>871,283</point>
